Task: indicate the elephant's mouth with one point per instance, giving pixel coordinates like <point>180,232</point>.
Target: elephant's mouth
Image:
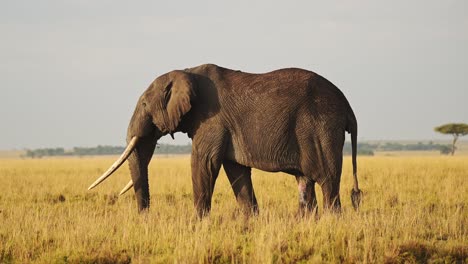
<point>128,150</point>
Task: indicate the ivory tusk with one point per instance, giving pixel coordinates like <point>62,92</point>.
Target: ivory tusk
<point>131,146</point>
<point>127,187</point>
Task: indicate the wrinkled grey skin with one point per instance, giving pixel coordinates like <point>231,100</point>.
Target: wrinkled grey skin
<point>289,120</point>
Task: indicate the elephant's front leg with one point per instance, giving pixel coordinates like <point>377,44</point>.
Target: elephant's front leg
<point>241,183</point>
<point>307,197</point>
<point>206,162</point>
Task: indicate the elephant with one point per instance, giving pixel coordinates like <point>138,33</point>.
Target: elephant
<point>289,120</point>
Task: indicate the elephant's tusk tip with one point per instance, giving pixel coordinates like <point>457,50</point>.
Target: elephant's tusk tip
<point>126,188</point>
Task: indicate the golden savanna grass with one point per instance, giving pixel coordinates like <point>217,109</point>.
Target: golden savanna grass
<point>414,210</point>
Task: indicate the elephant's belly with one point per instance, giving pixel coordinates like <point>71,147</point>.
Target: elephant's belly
<point>263,159</point>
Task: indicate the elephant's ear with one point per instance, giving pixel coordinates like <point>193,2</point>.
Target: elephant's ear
<point>180,93</point>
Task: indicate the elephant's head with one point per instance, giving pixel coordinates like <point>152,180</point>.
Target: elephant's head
<point>159,112</point>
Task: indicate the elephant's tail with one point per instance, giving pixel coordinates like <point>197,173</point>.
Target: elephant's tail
<point>356,194</point>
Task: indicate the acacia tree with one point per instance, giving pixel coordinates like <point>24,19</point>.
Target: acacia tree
<point>456,130</point>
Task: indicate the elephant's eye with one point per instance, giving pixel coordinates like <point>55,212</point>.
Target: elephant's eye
<point>144,104</point>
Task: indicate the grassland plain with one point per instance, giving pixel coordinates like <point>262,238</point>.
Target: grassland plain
<point>414,210</point>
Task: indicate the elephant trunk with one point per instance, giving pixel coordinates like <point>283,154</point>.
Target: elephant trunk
<point>138,152</point>
<point>138,162</point>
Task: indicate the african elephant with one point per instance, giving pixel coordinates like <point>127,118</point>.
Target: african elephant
<point>289,120</point>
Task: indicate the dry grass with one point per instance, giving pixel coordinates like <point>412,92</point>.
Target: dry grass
<point>414,210</point>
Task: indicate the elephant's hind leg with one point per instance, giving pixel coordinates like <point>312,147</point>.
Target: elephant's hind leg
<point>330,176</point>
<point>331,195</point>
<point>241,183</point>
<point>322,159</point>
<point>307,197</point>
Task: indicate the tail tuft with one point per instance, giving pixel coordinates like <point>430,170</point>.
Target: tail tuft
<point>356,197</point>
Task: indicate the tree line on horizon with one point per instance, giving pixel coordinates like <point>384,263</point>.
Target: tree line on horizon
<point>102,150</point>
<point>364,149</point>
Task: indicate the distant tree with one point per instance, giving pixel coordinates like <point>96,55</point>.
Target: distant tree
<point>456,130</point>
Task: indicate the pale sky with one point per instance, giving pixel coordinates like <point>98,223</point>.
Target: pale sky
<point>72,71</point>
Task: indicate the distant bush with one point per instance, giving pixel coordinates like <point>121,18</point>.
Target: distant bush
<point>173,149</point>
<point>369,149</point>
<point>363,149</point>
<point>445,150</point>
<point>99,150</point>
<point>392,146</point>
<point>39,153</point>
